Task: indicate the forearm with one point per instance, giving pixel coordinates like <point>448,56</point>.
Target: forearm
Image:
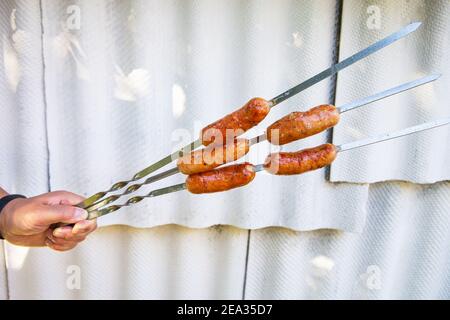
<point>2,193</point>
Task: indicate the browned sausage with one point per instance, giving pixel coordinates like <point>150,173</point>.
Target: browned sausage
<point>221,179</point>
<point>298,125</point>
<point>252,113</point>
<point>212,156</point>
<point>286,163</point>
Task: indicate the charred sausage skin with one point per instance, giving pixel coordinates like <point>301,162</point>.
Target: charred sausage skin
<point>252,113</point>
<point>212,156</point>
<point>288,163</point>
<point>221,179</point>
<point>299,125</point>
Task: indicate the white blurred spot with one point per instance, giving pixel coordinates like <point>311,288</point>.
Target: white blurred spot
<point>323,263</point>
<point>82,71</point>
<point>15,256</point>
<point>13,45</point>
<point>19,40</point>
<point>178,100</point>
<point>12,20</point>
<point>12,65</point>
<point>132,21</point>
<point>354,133</point>
<point>297,40</point>
<point>427,96</point>
<point>66,43</point>
<point>320,268</point>
<point>311,283</point>
<point>76,44</point>
<point>61,45</point>
<point>133,86</point>
<point>259,26</point>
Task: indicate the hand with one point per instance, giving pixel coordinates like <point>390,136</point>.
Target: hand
<point>26,222</point>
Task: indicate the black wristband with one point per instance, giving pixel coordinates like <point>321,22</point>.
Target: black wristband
<point>7,199</point>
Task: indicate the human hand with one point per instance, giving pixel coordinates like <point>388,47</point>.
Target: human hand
<point>26,222</point>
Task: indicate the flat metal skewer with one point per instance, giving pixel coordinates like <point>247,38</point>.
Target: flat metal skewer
<point>260,167</point>
<point>344,108</point>
<point>348,61</point>
<point>273,102</point>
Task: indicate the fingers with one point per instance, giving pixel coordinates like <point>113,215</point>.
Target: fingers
<point>60,244</point>
<point>58,206</point>
<point>79,232</point>
<point>50,214</point>
<point>65,233</point>
<point>83,228</point>
<point>60,197</point>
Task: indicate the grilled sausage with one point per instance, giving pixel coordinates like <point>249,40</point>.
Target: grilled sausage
<point>221,179</point>
<point>212,156</point>
<point>287,163</point>
<point>299,125</point>
<point>252,113</point>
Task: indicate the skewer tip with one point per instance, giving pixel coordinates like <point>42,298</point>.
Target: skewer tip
<point>414,25</point>
<point>432,77</point>
<point>436,75</point>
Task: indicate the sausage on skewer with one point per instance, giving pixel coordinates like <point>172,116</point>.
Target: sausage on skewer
<point>238,122</point>
<point>295,126</point>
<point>221,179</point>
<point>282,163</point>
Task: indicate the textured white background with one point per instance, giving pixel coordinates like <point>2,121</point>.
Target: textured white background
<point>213,54</point>
<point>401,253</point>
<point>422,158</point>
<point>109,96</point>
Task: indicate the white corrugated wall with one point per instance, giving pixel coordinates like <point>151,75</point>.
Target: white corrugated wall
<point>83,106</point>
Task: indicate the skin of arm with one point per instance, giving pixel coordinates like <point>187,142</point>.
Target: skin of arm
<point>26,222</point>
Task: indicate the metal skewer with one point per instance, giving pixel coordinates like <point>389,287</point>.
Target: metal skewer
<point>273,102</point>
<point>260,167</point>
<point>344,108</point>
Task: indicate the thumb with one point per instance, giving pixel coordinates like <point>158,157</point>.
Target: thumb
<point>51,214</point>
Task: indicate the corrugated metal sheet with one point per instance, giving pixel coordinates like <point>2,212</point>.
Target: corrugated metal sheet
<point>402,253</point>
<point>3,274</point>
<point>124,263</point>
<point>422,158</point>
<point>23,160</point>
<point>118,87</point>
<point>212,56</point>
